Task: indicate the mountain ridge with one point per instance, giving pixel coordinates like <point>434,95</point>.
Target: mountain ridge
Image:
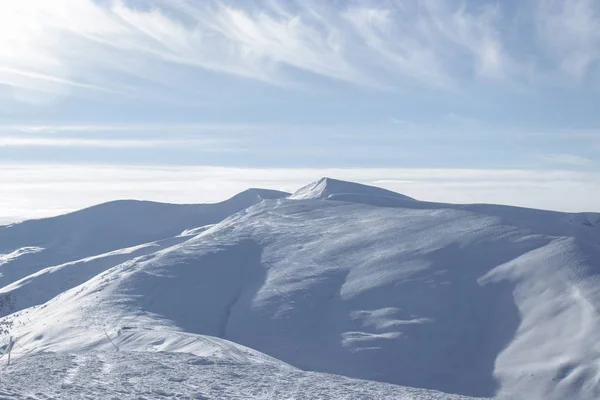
<point>476,300</point>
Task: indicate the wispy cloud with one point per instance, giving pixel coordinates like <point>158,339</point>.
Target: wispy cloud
<point>568,159</point>
<point>90,128</point>
<point>63,45</point>
<point>569,31</point>
<point>221,145</point>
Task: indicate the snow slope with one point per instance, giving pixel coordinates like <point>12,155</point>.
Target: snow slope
<point>164,375</point>
<point>327,188</point>
<point>479,300</point>
<point>30,246</point>
<point>39,287</point>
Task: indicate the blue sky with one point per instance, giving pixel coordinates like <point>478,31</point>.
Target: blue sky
<point>374,86</point>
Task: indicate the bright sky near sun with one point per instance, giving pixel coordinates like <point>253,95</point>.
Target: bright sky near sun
<point>193,100</point>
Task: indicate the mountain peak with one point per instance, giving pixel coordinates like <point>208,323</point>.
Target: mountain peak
<point>329,188</point>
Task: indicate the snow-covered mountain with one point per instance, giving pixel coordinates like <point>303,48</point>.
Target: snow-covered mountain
<point>338,278</point>
<point>79,245</point>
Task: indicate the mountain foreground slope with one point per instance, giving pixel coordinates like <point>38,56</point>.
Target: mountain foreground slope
<point>338,278</point>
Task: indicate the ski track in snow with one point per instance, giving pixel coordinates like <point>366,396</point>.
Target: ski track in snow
<point>145,375</point>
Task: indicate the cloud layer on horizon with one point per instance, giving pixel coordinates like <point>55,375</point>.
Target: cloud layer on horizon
<point>36,191</point>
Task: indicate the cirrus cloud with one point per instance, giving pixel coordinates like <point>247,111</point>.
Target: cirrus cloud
<point>74,45</point>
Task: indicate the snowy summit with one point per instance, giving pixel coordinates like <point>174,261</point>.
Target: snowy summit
<point>337,291</point>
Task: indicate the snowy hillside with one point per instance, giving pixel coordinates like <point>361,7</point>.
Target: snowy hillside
<point>338,278</point>
<point>29,246</point>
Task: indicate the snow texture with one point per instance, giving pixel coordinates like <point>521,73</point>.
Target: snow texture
<point>338,278</point>
<point>164,375</point>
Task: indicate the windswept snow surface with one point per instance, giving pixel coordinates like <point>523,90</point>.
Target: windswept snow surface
<point>164,375</point>
<point>43,285</point>
<point>346,279</point>
<point>327,188</point>
<point>107,227</point>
